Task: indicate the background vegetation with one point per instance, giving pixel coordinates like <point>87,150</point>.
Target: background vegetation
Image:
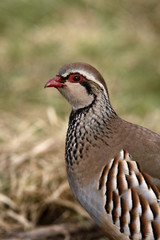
<point>122,40</point>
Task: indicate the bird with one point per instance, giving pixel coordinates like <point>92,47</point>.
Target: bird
<point>113,166</point>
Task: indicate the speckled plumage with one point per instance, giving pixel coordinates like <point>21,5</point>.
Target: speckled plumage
<point>108,159</point>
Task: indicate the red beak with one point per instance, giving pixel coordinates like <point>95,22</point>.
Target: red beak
<point>55,82</point>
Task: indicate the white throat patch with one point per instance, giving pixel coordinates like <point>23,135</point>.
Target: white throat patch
<point>76,95</point>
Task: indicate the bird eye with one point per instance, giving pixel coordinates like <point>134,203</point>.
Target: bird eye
<point>75,78</point>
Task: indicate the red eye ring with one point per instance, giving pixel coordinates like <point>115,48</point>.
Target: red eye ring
<point>75,78</point>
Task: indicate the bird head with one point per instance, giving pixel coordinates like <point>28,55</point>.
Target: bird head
<point>79,83</point>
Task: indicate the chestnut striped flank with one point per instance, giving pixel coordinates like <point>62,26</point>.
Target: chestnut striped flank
<point>130,198</point>
<point>116,208</point>
<point>102,178</point>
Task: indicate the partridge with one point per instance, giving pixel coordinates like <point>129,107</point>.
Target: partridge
<point>113,166</point>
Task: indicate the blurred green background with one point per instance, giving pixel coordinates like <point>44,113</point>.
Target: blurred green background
<point>120,38</point>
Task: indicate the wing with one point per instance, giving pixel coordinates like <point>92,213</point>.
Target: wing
<point>131,199</point>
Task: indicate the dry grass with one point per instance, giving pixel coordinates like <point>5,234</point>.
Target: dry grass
<point>34,188</point>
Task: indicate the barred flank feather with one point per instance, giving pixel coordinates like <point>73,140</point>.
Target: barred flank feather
<point>129,189</point>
